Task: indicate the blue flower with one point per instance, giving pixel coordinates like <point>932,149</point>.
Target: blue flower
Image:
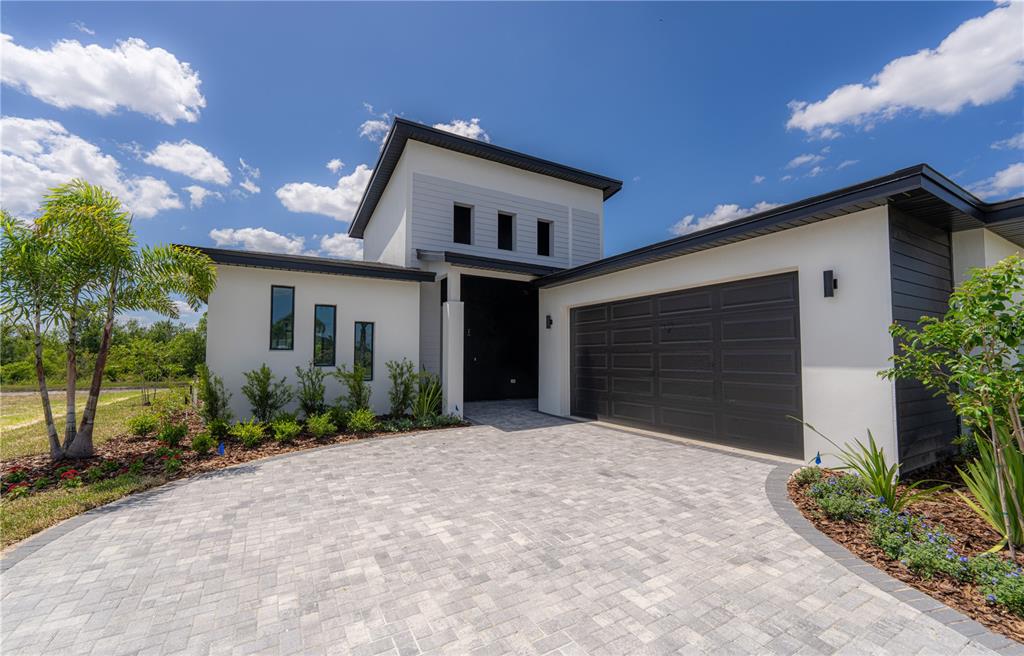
<point>990,597</point>
<point>963,559</point>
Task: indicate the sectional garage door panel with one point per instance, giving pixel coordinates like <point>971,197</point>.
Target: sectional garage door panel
<point>719,363</point>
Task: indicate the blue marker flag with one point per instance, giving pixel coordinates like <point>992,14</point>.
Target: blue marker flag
<point>220,449</point>
<point>817,458</point>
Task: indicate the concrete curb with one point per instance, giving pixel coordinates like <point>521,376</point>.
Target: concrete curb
<point>775,488</point>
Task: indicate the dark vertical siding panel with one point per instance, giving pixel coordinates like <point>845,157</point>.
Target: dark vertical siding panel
<point>922,279</point>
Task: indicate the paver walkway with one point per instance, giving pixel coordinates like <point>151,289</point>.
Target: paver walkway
<point>531,535</point>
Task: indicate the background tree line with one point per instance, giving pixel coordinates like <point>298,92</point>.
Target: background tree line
<point>165,350</point>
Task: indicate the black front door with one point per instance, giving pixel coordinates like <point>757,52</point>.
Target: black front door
<point>500,347</point>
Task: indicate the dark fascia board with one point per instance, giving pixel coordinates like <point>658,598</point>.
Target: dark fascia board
<point>402,130</point>
<point>496,264</point>
<point>307,264</point>
<point>873,192</point>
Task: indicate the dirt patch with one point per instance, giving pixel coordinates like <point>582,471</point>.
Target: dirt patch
<point>973,536</point>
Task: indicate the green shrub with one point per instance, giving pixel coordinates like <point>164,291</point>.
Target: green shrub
<point>93,474</point>
<point>203,443</point>
<point>110,466</point>
<point>925,549</point>
<point>214,396</point>
<point>982,480</point>
<point>249,433</point>
<point>41,482</point>
<point>16,491</point>
<point>142,425</point>
<point>285,430</point>
<point>172,466</point>
<point>168,405</point>
<point>267,396</point>
<point>841,498</point>
<point>362,420</point>
<point>311,389</point>
<point>321,425</point>
<point>357,389</point>
<point>402,376</point>
<point>399,425</point>
<point>807,475</point>
<point>219,428</point>
<point>173,434</point>
<point>881,480</point>
<point>448,420</point>
<point>427,403</point>
<point>136,467</point>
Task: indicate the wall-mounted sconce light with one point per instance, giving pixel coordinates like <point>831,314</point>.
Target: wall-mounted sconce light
<point>548,322</point>
<point>831,283</point>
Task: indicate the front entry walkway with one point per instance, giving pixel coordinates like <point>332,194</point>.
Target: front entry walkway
<point>555,537</point>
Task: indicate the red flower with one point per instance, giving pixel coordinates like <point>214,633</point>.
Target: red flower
<point>15,486</point>
<point>71,473</point>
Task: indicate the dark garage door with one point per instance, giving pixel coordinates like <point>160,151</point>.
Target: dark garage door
<point>719,363</point>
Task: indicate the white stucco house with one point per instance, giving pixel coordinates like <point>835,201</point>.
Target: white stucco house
<point>485,266</point>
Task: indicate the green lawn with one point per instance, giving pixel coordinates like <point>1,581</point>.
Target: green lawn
<point>21,409</point>
<point>23,517</point>
<point>110,421</point>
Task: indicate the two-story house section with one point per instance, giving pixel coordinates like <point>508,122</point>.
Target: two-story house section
<point>485,266</point>
<point>487,221</point>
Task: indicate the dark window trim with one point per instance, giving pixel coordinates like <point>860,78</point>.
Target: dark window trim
<point>512,246</point>
<point>373,340</point>
<point>271,336</point>
<point>455,231</point>
<point>334,324</point>
<point>551,237</point>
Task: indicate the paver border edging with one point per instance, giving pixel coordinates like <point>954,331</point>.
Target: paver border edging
<point>778,496</point>
<point>34,543</point>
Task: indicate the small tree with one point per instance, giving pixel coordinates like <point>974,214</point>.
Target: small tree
<point>311,389</point>
<point>357,391</point>
<point>214,397</point>
<point>403,385</point>
<point>266,395</point>
<point>972,357</point>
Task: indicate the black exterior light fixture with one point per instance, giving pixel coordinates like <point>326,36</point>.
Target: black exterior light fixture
<point>831,283</point>
<point>548,322</point>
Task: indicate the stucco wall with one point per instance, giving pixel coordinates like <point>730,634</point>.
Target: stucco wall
<point>978,248</point>
<point>844,340</point>
<point>238,326</point>
<point>386,238</point>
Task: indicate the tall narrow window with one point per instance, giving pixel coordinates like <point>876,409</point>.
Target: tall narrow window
<point>323,335</point>
<point>462,225</point>
<point>543,237</point>
<point>282,318</point>
<point>506,229</point>
<point>363,355</point>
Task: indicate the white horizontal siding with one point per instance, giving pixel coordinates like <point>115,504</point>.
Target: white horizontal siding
<point>432,202</point>
<point>586,237</point>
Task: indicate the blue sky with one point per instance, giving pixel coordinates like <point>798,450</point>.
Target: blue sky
<point>696,107</point>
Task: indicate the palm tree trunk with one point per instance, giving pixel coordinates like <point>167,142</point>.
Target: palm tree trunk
<point>72,374</point>
<point>44,393</point>
<point>83,446</point>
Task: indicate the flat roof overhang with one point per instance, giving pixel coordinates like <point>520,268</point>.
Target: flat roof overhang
<point>918,190</point>
<point>487,263</point>
<point>309,264</point>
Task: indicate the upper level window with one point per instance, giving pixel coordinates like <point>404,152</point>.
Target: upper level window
<point>324,333</point>
<point>462,225</point>
<point>363,355</point>
<point>543,237</point>
<point>282,318</point>
<point>506,230</point>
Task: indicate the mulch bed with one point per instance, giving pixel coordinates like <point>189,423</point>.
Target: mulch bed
<point>973,537</point>
<point>126,449</point>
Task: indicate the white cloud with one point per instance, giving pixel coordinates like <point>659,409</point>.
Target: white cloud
<point>258,239</point>
<point>341,245</point>
<point>1016,142</point>
<point>335,165</point>
<point>250,175</point>
<point>802,160</point>
<point>758,179</point>
<point>1007,182</point>
<point>721,214</point>
<point>845,163</point>
<point>83,28</point>
<point>470,128</point>
<point>189,159</point>
<point>979,63</point>
<point>131,75</point>
<point>339,201</point>
<point>815,172</point>
<point>786,178</point>
<point>38,154</point>
<point>198,195</point>
<point>374,129</point>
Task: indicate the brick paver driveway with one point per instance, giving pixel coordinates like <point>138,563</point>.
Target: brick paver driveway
<point>530,535</point>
